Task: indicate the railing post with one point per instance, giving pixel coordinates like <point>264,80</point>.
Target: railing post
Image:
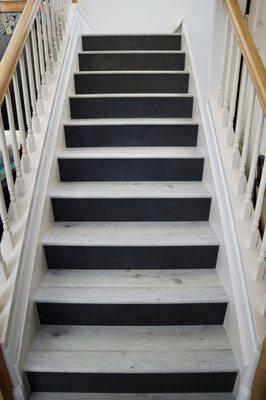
<point>7,234</point>
<point>53,18</point>
<point>45,43</point>
<point>8,170</point>
<point>41,57</point>
<point>240,117</point>
<point>228,80</point>
<point>25,159</point>
<point>243,161</point>
<point>261,264</point>
<point>258,210</point>
<point>40,105</point>
<point>25,89</point>
<point>223,63</point>
<point>35,118</point>
<point>20,185</point>
<point>252,172</point>
<point>232,108</point>
<point>49,34</point>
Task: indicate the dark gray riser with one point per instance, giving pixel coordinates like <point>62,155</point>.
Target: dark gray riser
<point>131,314</point>
<point>130,135</point>
<point>132,383</point>
<point>181,209</point>
<point>131,257</point>
<point>159,169</point>
<point>131,107</point>
<point>131,61</point>
<point>131,42</point>
<point>131,83</point>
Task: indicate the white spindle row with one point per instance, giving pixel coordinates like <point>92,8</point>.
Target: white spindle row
<point>244,118</point>
<point>24,106</point>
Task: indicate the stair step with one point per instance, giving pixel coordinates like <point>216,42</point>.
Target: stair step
<point>131,60</point>
<point>131,396</point>
<point>131,164</point>
<point>131,42</point>
<point>131,82</point>
<point>140,359</point>
<point>129,297</point>
<point>104,135</point>
<point>130,201</point>
<point>131,106</point>
<point>131,278</point>
<point>131,245</point>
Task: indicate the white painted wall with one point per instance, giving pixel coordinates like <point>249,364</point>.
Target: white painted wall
<point>160,16</point>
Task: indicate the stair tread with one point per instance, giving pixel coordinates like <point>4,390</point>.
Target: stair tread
<point>131,396</point>
<point>133,72</point>
<point>131,121</point>
<point>119,338</point>
<point>130,95</point>
<point>130,152</point>
<point>130,190</point>
<point>131,350</point>
<point>131,234</point>
<point>131,52</point>
<point>128,295</point>
<point>131,278</point>
<point>129,287</point>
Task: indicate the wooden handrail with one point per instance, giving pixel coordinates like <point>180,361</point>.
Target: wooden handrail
<point>248,49</point>
<point>16,44</point>
<point>12,6</point>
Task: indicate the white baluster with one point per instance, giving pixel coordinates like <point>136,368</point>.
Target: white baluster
<point>261,263</point>
<point>62,12</point>
<point>55,49</point>
<point>252,173</point>
<point>8,172</point>
<point>45,93</point>
<point>45,43</point>
<point>243,162</point>
<point>7,234</point>
<point>30,137</point>
<point>49,34</point>
<point>233,98</point>
<point>3,265</point>
<point>240,118</point>
<point>25,159</point>
<point>228,80</point>
<point>258,210</point>
<point>57,25</point>
<point>223,63</point>
<point>40,105</point>
<point>20,184</point>
<point>35,118</point>
<point>60,22</point>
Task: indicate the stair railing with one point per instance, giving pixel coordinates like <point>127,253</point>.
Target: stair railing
<point>26,77</point>
<point>242,99</point>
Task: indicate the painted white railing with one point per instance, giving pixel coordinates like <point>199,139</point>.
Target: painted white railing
<point>241,101</point>
<point>28,74</point>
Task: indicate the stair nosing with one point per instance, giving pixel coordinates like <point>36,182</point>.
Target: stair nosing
<point>132,52</point>
<point>145,152</point>
<point>142,190</point>
<point>131,95</point>
<point>154,234</point>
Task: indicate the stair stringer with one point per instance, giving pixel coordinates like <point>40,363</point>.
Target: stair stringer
<point>24,321</point>
<point>239,323</point>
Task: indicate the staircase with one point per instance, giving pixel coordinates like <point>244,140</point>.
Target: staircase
<point>131,306</point>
